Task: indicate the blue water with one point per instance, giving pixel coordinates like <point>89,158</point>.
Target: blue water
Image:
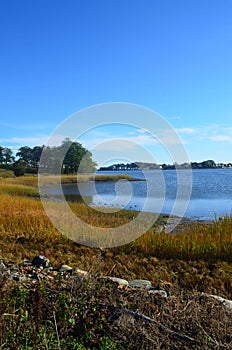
<point>210,195</point>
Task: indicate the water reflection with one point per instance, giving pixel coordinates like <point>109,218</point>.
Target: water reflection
<point>211,193</point>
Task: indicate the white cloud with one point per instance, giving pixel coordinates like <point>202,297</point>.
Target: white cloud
<point>142,131</point>
<point>29,141</point>
<point>221,138</point>
<point>185,130</point>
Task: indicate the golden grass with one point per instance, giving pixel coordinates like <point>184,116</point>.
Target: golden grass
<point>6,173</point>
<point>65,179</point>
<point>208,242</point>
<point>18,190</point>
<point>23,220</point>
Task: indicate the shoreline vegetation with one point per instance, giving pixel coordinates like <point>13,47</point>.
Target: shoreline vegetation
<point>71,157</point>
<point>207,164</point>
<point>188,263</point>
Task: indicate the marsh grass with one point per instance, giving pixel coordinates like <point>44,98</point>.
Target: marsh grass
<point>5,173</point>
<point>29,180</point>
<point>18,190</point>
<point>23,216</point>
<point>66,179</point>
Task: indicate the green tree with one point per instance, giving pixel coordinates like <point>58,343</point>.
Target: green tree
<point>1,155</point>
<point>76,156</point>
<point>25,154</point>
<point>70,157</point>
<point>7,154</point>
<point>87,165</point>
<point>208,164</point>
<point>35,155</point>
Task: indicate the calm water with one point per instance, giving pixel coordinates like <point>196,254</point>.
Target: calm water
<point>210,197</point>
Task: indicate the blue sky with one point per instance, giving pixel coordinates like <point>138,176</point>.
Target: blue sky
<point>174,57</point>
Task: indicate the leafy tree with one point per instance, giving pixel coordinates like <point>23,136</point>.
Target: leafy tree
<point>69,157</point>
<point>208,164</point>
<point>36,154</point>
<point>30,156</point>
<point>76,156</point>
<point>7,154</point>
<point>1,155</point>
<point>87,165</point>
<point>25,154</point>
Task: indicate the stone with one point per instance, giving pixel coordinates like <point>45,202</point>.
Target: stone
<point>143,284</point>
<point>18,278</point>
<point>81,272</point>
<point>66,268</point>
<point>40,261</point>
<point>227,303</point>
<point>121,282</point>
<point>161,292</point>
<point>2,266</point>
<point>25,263</point>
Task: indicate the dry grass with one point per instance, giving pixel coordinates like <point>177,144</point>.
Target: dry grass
<point>6,173</point>
<point>26,231</point>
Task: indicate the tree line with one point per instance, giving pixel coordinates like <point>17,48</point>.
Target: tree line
<point>69,157</point>
<point>206,164</point>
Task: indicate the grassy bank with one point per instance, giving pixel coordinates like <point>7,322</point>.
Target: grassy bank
<point>196,259</point>
<point>23,219</point>
<point>5,173</point>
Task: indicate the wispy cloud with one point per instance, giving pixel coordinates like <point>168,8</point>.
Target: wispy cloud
<point>221,138</point>
<point>29,141</point>
<point>204,133</point>
<point>142,131</point>
<point>185,130</point>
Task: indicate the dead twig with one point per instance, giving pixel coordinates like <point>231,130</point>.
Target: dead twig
<point>162,328</point>
<point>57,333</point>
<point>138,315</point>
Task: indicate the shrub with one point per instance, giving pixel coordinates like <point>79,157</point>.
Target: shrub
<point>19,168</point>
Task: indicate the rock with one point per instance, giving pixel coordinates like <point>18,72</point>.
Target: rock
<point>81,272</point>
<point>40,261</point>
<point>2,266</point>
<point>144,284</point>
<point>19,278</point>
<point>15,277</point>
<point>66,268</point>
<point>161,292</point>
<point>25,263</point>
<point>121,282</point>
<point>227,303</point>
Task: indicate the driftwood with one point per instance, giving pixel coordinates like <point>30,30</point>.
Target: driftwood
<point>139,316</point>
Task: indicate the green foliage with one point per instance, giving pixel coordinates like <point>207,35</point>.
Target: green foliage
<point>19,168</point>
<point>6,173</point>
<point>30,156</point>
<point>41,319</point>
<point>70,157</point>
<point>6,156</point>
